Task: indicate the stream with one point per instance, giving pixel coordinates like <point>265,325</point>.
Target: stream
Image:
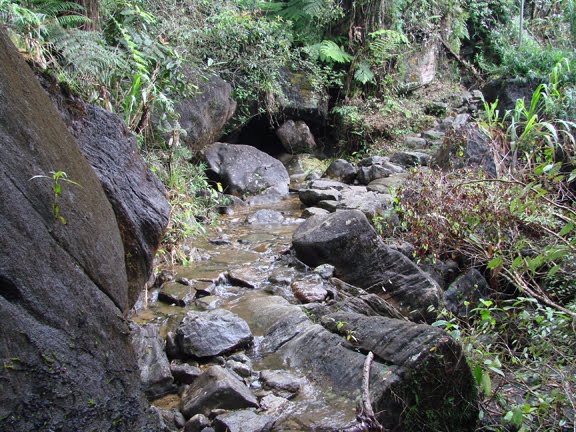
<point>241,261</point>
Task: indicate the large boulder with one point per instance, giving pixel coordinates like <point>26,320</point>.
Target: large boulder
<point>247,172</point>
<point>419,380</point>
<point>65,345</point>
<point>508,90</point>
<point>204,115</point>
<point>469,147</point>
<point>296,137</point>
<point>137,196</point>
<point>347,241</point>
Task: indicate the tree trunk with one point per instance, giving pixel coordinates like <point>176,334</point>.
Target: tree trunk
<point>92,9</point>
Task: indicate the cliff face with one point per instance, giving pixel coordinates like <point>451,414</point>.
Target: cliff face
<point>67,362</point>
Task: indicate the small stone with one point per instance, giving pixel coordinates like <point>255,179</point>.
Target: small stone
<point>184,373</point>
<point>209,302</point>
<point>208,334</point>
<point>325,271</point>
<point>410,159</point>
<point>281,380</point>
<point>327,184</point>
<point>243,421</point>
<point>265,217</point>
<point>244,277</point>
<point>197,423</point>
<point>176,293</point>
<point>241,369</point>
<point>414,142</point>
<point>311,197</point>
<point>216,389</point>
<point>309,291</point>
<point>341,170</point>
<point>313,211</point>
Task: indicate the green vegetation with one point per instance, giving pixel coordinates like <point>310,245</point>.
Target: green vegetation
<point>136,58</point>
<point>57,178</point>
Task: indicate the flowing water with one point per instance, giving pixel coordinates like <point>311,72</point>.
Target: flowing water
<point>253,253</point>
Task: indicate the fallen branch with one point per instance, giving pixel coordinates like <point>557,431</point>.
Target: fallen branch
<point>462,61</point>
<point>366,419</point>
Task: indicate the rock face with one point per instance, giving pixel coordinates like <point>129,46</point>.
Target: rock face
<point>69,364</point>
<point>296,137</point>
<point>470,148</point>
<point>208,334</point>
<point>204,115</point>
<point>346,240</point>
<point>422,65</point>
<point>137,196</point>
<point>247,172</point>
<point>507,91</point>
<point>418,369</point>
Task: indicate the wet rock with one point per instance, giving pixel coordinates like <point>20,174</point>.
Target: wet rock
<point>281,381</point>
<point>214,389</point>
<point>412,142</point>
<point>367,174</point>
<point>282,276</point>
<point>208,334</point>
<point>241,357</point>
<point>311,197</point>
<point>155,371</point>
<point>265,217</point>
<point>323,184</point>
<point>470,147</point>
<point>171,420</point>
<point>232,205</point>
<point>347,241</point>
<point>420,363</point>
<point>240,368</point>
<point>204,115</point>
<point>176,293</point>
<point>184,373</point>
<point>296,137</point>
<point>470,287</point>
<point>197,423</point>
<point>247,172</point>
<point>309,291</point>
<point>243,421</point>
<point>328,205</point>
<point>325,271</point>
<point>313,211</point>
<point>244,277</point>
<point>342,171</point>
<point>411,159</point>
<point>274,405</point>
<point>64,288</point>
<point>209,302</point>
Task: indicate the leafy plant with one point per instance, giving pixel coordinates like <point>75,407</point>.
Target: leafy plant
<point>57,178</point>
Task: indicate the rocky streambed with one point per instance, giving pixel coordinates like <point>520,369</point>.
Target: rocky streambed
<point>270,326</point>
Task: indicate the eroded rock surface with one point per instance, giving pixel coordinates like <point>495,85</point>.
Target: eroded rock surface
<point>346,240</point>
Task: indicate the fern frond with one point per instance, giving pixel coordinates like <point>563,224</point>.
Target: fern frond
<point>386,43</point>
<point>363,73</point>
<point>330,52</point>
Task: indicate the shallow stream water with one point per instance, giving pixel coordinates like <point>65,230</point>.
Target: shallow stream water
<point>254,253</point>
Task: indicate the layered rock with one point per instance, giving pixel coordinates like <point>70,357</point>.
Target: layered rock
<point>137,196</point>
<point>347,241</point>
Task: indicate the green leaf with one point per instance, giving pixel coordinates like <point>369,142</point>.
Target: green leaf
<point>567,228</point>
<point>363,73</point>
<point>486,383</point>
<point>495,262</point>
<point>329,51</point>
